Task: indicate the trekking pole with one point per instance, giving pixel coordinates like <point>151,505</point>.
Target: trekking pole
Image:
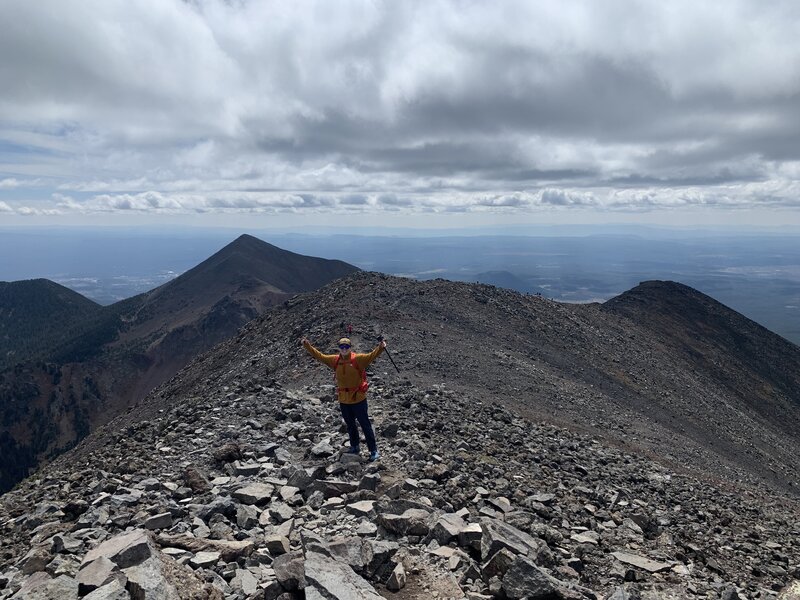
<point>380,339</point>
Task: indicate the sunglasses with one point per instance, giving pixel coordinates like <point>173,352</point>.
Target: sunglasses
<point>343,346</point>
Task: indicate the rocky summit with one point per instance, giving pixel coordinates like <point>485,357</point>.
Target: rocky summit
<point>231,481</point>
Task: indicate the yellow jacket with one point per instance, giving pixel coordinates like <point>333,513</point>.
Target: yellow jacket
<point>346,375</point>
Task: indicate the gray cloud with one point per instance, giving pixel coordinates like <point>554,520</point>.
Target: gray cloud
<point>172,106</point>
<point>564,198</point>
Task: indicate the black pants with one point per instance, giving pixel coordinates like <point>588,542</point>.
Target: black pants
<point>358,412</point>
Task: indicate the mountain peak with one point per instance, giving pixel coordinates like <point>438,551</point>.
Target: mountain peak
<point>249,242</point>
<point>655,302</point>
<point>248,259</point>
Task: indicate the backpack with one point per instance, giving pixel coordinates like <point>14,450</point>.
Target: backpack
<point>364,383</point>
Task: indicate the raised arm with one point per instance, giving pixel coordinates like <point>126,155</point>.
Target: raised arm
<point>326,359</point>
<point>366,359</point>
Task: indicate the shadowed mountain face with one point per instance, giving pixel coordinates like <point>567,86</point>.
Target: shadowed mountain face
<point>34,313</point>
<point>110,357</point>
<point>759,367</point>
<point>681,377</point>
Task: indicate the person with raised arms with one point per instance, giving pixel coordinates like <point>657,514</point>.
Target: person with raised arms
<point>351,383</point>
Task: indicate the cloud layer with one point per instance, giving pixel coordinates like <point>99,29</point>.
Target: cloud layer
<point>170,106</point>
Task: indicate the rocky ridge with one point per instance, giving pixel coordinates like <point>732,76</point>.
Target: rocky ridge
<point>582,367</point>
<point>229,481</point>
<point>244,493</point>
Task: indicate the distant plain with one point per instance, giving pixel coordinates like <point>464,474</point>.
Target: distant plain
<point>757,274</point>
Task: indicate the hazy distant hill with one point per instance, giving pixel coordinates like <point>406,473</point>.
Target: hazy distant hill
<point>116,354</point>
<point>36,313</point>
<point>504,279</point>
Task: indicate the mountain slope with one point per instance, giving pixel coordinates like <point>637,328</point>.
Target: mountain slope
<point>578,366</point>
<point>718,339</point>
<point>120,352</point>
<point>242,453</point>
<point>36,313</point>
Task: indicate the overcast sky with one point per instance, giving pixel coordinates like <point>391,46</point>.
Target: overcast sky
<point>451,112</point>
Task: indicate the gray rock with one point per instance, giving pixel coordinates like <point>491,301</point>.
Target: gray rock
<point>41,587</point>
<point>641,562</point>
<point>200,529</point>
<point>470,536</point>
<point>162,578</point>
<point>204,560</point>
<point>448,527</point>
<point>96,574</point>
<point>622,593</point>
<point>369,482</point>
<point>543,498</point>
<point>247,468</point>
<point>75,508</point>
<point>35,560</point>
<point>335,580</point>
<point>281,512</point>
<point>255,493</point>
<point>160,521</point>
<point>524,579</point>
<point>114,590</point>
<point>182,493</point>
<point>497,564</point>
<point>397,580</point>
<point>347,459</point>
<point>65,543</point>
<point>149,485</point>
<point>299,478</point>
<point>149,580</point>
<point>316,500</point>
<point>349,550</point>
<point>283,456</point>
<point>277,544</point>
<point>124,550</point>
<point>246,517</point>
<point>332,488</point>
<point>323,449</point>
<point>289,571</point>
<point>413,521</point>
<point>367,529</point>
<point>587,537</point>
<point>245,581</point>
<point>365,508</point>
<point>497,535</point>
<point>222,506</point>
<point>288,491</point>
<point>380,556</point>
<point>125,497</point>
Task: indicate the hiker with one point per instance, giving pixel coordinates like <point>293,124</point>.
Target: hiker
<point>351,382</point>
